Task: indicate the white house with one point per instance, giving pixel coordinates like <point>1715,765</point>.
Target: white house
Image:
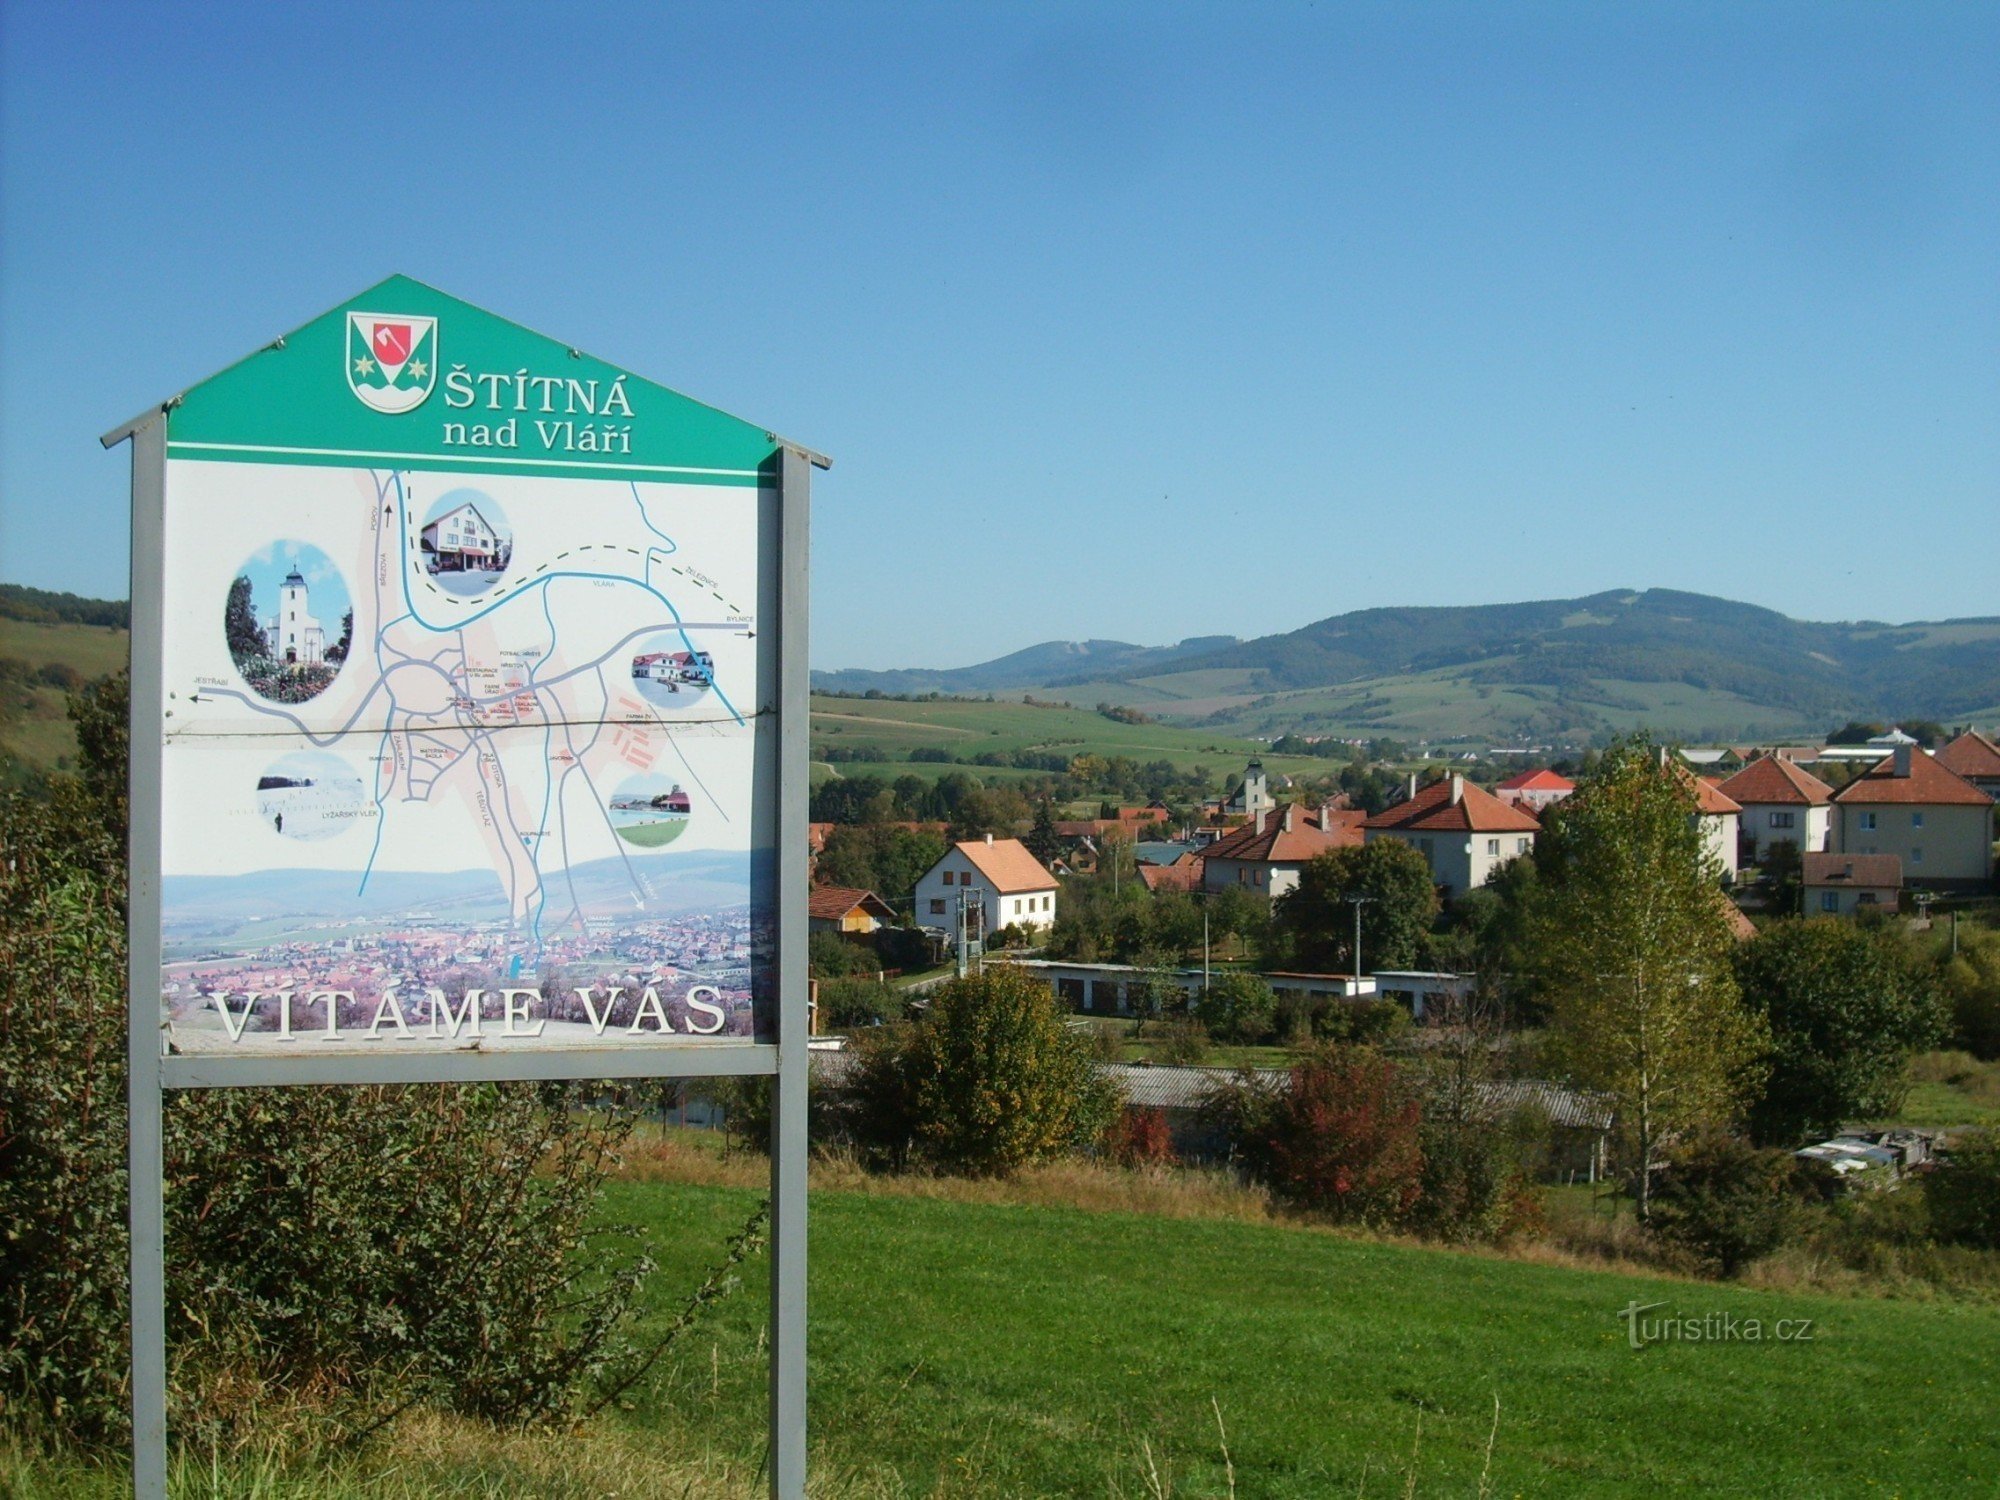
<point>462,540</point>
<point>1535,790</point>
<point>1781,805</point>
<point>294,636</point>
<point>1464,832</point>
<point>999,877</point>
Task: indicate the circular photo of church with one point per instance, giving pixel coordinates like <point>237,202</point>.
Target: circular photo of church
<point>288,621</point>
<point>649,811</point>
<point>312,795</point>
<point>465,542</point>
<point>669,673</point>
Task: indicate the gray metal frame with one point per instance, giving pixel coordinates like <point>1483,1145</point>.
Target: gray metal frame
<point>152,1071</point>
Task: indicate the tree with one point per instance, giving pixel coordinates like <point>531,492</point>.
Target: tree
<point>239,622</point>
<point>997,1079</point>
<point>339,649</point>
<point>1845,1009</point>
<point>1042,840</point>
<point>1318,917</point>
<point>1724,1202</point>
<point>1633,952</point>
<point>1237,1007</point>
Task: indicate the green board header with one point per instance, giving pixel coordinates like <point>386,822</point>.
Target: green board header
<point>408,377</point>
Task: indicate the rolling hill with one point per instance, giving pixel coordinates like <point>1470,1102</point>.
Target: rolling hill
<point>1679,663</point>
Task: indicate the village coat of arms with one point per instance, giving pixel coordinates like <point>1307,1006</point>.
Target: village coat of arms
<point>391,360</point>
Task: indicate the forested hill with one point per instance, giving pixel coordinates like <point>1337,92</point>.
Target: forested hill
<point>1562,652</point>
<point>41,607</point>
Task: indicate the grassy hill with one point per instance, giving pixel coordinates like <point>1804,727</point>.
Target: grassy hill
<point>1679,663</point>
<point>33,725</point>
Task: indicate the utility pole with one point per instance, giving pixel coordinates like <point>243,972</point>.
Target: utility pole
<point>1357,901</point>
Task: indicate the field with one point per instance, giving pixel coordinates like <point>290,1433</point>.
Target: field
<point>33,725</point>
<point>964,727</point>
<point>1008,1348</point>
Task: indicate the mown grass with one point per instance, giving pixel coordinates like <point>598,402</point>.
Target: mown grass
<point>1951,1088</point>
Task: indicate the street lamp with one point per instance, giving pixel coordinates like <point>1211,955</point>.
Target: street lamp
<point>1357,901</point>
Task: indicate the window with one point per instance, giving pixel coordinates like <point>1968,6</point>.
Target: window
<point>1017,906</point>
<point>951,877</point>
<point>1868,822</point>
<point>1424,847</point>
<point>1916,820</point>
<point>1781,820</point>
<point>1520,846</point>
<point>1916,854</point>
<point>1829,900</point>
<point>937,906</point>
<point>1492,847</point>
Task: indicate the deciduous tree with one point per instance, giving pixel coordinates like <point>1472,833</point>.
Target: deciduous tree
<point>1402,903</point>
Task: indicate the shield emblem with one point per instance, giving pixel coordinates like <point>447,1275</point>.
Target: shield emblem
<point>391,360</point>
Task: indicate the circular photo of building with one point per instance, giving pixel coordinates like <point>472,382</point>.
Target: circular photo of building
<point>669,673</point>
<point>310,795</point>
<point>649,811</point>
<point>465,542</point>
<point>288,622</point>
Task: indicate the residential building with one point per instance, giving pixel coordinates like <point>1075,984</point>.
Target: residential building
<point>1721,820</point>
<point>1935,821</point>
<point>1534,790</point>
<point>1266,854</point>
<point>1464,832</point>
<point>839,908</point>
<point>461,540</point>
<point>999,877</point>
<point>1839,884</point>
<point>1976,758</point>
<point>1780,804</point>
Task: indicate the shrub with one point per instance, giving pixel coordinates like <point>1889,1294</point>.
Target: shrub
<point>1963,1191</point>
<point>1183,1041</point>
<point>1238,1007</point>
<point>849,1003</point>
<point>1140,1138</point>
<point>1723,1202</point>
<point>1343,1140</point>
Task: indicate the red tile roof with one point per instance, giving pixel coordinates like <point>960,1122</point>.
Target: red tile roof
<point>832,902</point>
<point>1926,784</point>
<point>1772,780</point>
<point>1274,843</point>
<point>1184,874</point>
<point>1710,798</point>
<point>1971,754</point>
<point>1878,870</point>
<point>1435,809</point>
<point>1537,781</point>
<point>1007,865</point>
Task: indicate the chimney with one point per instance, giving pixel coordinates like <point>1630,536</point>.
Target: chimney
<point>1903,759</point>
<point>1288,817</point>
<point>1457,788</point>
<point>1257,820</point>
<point>1413,786</point>
<point>989,838</point>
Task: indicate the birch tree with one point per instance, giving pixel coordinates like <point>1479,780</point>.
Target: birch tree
<point>1633,949</point>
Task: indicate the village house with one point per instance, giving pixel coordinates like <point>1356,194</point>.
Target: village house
<point>1976,758</point>
<point>999,877</point>
<point>461,540</point>
<point>1248,800</point>
<point>841,909</point>
<point>293,635</point>
<point>1780,804</point>
<point>1720,818</point>
<point>1266,854</point>
<point>1838,884</point>
<point>1463,831</point>
<point>1935,821</point>
<point>1534,790</point>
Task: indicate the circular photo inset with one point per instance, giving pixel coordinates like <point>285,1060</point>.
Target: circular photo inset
<point>310,794</point>
<point>649,811</point>
<point>288,622</point>
<point>669,673</point>
<point>466,542</point>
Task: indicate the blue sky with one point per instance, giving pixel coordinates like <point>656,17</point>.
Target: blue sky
<point>1128,322</point>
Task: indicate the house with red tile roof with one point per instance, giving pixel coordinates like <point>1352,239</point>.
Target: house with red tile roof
<point>1976,758</point>
<point>1931,818</point>
<point>999,877</point>
<point>1838,884</point>
<point>1781,803</point>
<point>839,908</point>
<point>1184,874</point>
<point>1534,790</point>
<point>1463,831</point>
<point>1266,854</point>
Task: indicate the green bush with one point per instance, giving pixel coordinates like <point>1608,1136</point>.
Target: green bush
<point>1182,1041</point>
<point>1238,1007</point>
<point>845,1004</point>
<point>336,1243</point>
<point>1963,1191</point>
<point>1724,1203</point>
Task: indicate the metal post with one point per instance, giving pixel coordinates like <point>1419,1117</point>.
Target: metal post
<point>145,1162</point>
<point>788,1089</point>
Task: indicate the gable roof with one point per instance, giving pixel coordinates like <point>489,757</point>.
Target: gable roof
<point>1543,780</point>
<point>1970,755</point>
<point>1925,784</point>
<point>832,902</point>
<point>1183,874</point>
<point>1275,843</point>
<point>1773,780</point>
<point>1006,864</point>
<point>1709,798</point>
<point>1470,809</point>
<point>1881,870</point>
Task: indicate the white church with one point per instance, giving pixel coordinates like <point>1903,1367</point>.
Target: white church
<point>293,635</point>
